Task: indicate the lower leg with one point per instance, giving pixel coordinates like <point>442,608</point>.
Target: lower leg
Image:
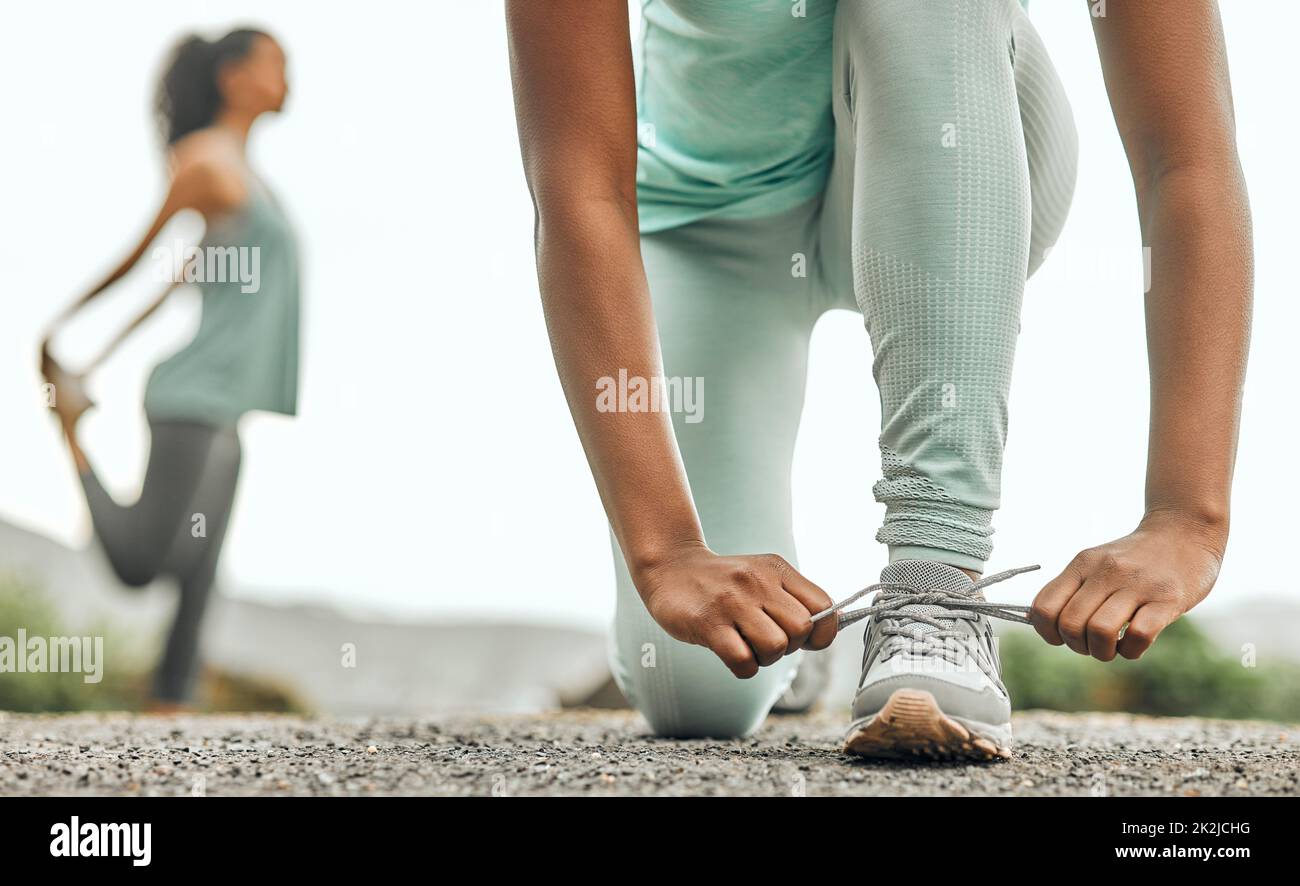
<point>175,675</point>
<point>194,558</point>
<point>732,318</point>
<point>940,240</point>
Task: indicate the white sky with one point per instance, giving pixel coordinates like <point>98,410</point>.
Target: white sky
<point>434,468</point>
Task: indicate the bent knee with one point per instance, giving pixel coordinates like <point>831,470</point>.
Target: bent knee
<point>135,572</point>
<point>705,722</point>
<point>693,705</point>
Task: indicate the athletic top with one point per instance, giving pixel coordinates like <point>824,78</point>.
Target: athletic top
<point>244,356</point>
<point>733,107</point>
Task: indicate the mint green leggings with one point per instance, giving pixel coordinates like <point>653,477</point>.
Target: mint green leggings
<point>954,166</point>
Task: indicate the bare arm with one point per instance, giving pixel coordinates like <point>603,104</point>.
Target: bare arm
<point>136,322</point>
<point>202,182</point>
<point>576,105</point>
<point>1167,76</point>
<point>575,101</point>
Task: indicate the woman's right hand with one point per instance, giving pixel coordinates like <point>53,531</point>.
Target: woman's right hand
<point>750,610</point>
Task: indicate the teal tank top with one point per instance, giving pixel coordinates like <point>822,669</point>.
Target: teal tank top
<point>244,356</point>
<point>733,108</point>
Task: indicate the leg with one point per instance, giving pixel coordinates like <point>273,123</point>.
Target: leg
<point>731,313</point>
<point>194,562</point>
<point>137,537</point>
<point>948,118</point>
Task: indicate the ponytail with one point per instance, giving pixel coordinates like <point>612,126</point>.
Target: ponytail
<point>189,97</point>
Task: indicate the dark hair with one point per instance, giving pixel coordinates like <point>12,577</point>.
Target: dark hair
<point>188,97</point>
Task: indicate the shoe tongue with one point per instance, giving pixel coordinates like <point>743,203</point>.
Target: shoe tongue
<point>921,576</point>
<point>926,575</point>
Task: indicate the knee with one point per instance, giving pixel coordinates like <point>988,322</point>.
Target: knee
<point>685,691</point>
<point>135,571</point>
<point>706,720</point>
<point>708,705</point>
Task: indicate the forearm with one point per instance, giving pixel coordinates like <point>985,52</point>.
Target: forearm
<point>1196,221</point>
<point>1167,77</point>
<point>599,316</point>
<point>122,269</point>
<point>208,187</point>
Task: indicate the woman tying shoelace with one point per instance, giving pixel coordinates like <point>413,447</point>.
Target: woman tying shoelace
<point>922,157</point>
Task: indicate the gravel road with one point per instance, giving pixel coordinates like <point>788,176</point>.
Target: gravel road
<point>610,753</point>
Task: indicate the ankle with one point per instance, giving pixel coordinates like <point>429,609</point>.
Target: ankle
<point>970,564</point>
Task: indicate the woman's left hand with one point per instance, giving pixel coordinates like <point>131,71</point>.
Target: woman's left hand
<point>1145,580</point>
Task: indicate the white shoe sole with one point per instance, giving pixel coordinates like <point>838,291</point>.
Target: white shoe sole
<point>911,724</point>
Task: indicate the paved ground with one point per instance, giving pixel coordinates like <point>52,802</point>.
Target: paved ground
<point>609,753</point>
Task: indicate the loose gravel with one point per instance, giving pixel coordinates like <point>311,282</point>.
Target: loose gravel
<point>611,753</point>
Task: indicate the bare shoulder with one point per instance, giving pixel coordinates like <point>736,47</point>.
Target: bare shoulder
<point>208,172</point>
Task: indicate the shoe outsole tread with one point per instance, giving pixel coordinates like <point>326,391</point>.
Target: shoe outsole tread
<point>911,724</point>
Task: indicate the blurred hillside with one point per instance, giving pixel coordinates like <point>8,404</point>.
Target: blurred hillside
<point>276,657</point>
<point>1240,664</point>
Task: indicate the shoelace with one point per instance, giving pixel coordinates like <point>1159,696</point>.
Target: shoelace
<point>906,595</point>
<point>959,605</point>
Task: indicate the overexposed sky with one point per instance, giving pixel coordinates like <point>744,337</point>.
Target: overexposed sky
<point>434,468</point>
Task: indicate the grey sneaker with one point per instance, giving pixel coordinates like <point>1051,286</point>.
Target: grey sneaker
<point>931,678</point>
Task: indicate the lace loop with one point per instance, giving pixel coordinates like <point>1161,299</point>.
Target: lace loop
<point>900,595</point>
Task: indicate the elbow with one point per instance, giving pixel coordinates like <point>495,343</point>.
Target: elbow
<point>1203,189</point>
<point>572,221</point>
<point>1203,161</point>
<point>566,204</point>
<point>567,191</point>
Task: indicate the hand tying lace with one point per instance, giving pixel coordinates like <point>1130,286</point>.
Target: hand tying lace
<point>894,619</point>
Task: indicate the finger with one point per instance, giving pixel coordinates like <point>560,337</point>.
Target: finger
<point>823,633</point>
<point>1106,623</point>
<point>768,641</point>
<point>790,616</point>
<point>735,653</point>
<point>1052,599</point>
<point>1072,623</point>
<point>1144,627</point>
<point>814,600</point>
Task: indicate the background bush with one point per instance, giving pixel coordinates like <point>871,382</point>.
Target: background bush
<point>1183,674</point>
<point>127,668</point>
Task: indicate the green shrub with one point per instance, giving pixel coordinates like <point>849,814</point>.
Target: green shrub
<point>123,682</point>
<point>1183,674</point>
<point>126,673</point>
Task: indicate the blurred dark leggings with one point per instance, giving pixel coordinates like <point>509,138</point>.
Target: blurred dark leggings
<point>175,528</point>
